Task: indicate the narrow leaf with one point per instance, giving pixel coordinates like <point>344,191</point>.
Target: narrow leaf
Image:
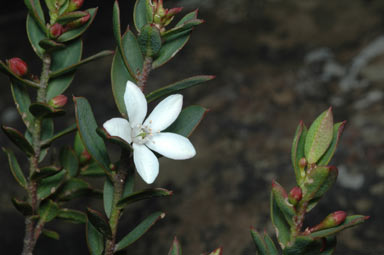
<point>95,240</point>
<point>281,199</point>
<point>45,172</point>
<point>337,132</point>
<point>23,207</point>
<point>36,11</point>
<point>15,168</point>
<point>22,100</point>
<point>175,248</point>
<point>297,151</point>
<point>42,110</point>
<point>280,223</point>
<point>188,120</point>
<point>48,210</point>
<point>178,86</point>
<point>35,35</point>
<point>51,234</point>
<point>69,161</point>
<point>108,196</point>
<point>68,130</point>
<point>99,223</point>
<point>73,188</point>
<point>50,185</point>
<point>144,194</point>
<point>19,140</point>
<point>270,245</point>
<point>73,216</point>
<point>139,230</point>
<point>259,242</point>
<point>142,13</point>
<point>71,16</point>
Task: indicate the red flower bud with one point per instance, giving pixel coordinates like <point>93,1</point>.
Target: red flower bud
<point>56,30</point>
<point>58,101</point>
<point>332,220</point>
<point>18,66</point>
<point>295,195</point>
<point>85,157</point>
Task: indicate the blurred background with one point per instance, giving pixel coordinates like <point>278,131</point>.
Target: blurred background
<point>276,62</point>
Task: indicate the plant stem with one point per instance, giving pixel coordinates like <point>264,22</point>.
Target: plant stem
<point>119,180</point>
<point>147,68</point>
<point>32,231</point>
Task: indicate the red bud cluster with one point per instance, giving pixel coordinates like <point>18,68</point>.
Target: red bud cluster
<point>295,195</point>
<point>18,66</point>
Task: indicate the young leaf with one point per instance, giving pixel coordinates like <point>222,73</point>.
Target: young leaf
<point>144,194</point>
<point>142,14</point>
<point>259,242</point>
<point>297,151</point>
<point>270,245</point>
<point>181,30</point>
<point>280,223</point>
<point>99,222</point>
<point>48,210</point>
<point>36,12</point>
<point>337,132</point>
<point>74,33</point>
<point>23,207</point>
<point>188,120</point>
<point>49,185</point>
<point>175,248</point>
<point>19,140</point>
<point>51,234</point>
<point>281,199</point>
<point>87,126</point>
<point>108,196</point>
<point>73,216</point>
<point>95,239</point>
<point>61,59</point>
<point>319,137</point>
<point>71,16</point>
<point>178,86</point>
<point>116,22</point>
<point>69,161</point>
<point>139,230</point>
<point>15,168</point>
<point>149,40</point>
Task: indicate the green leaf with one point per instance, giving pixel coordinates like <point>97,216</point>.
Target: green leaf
<point>172,47</point>
<point>337,132</point>
<point>142,13</point>
<point>149,40</point>
<point>69,161</point>
<point>281,199</point>
<point>73,67</point>
<point>350,221</point>
<point>129,182</point>
<point>22,100</point>
<point>45,172</point>
<point>280,223</point>
<point>99,222</point>
<point>50,185</point>
<point>178,86</point>
<point>68,130</point>
<point>36,12</point>
<point>119,77</point>
<point>113,139</point>
<point>86,124</point>
<point>144,194</point>
<point>297,151</point>
<point>181,29</point>
<point>23,207</point>
<point>50,45</point>
<point>261,247</point>
<point>19,140</point>
<point>73,188</point>
<point>42,110</point>
<point>319,137</point>
<point>92,170</point>
<point>305,245</point>
<point>72,216</point>
<point>218,251</point>
<point>108,197</point>
<point>116,22</point>
<point>51,234</point>
<point>48,210</point>
<point>35,35</point>
<point>139,230</point>
<point>175,248</point>
<point>188,120</point>
<point>62,59</point>
<point>270,245</point>
<point>317,182</point>
<point>95,240</point>
<point>5,69</point>
<point>71,16</point>
<point>15,168</point>
<point>133,57</point>
<point>74,33</point>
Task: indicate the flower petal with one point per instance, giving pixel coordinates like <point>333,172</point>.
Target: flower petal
<point>119,127</point>
<point>165,113</point>
<point>147,164</point>
<point>135,103</point>
<point>172,146</point>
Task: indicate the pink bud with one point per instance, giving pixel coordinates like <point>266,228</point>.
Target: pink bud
<point>296,194</point>
<point>302,163</point>
<point>18,66</point>
<point>58,101</point>
<point>56,30</point>
<point>332,220</point>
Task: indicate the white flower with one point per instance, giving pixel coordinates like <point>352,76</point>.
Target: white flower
<point>145,136</point>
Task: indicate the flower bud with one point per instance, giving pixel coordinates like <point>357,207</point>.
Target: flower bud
<point>58,101</point>
<point>295,195</point>
<point>85,157</point>
<point>74,5</point>
<point>332,220</point>
<point>56,30</point>
<point>302,163</point>
<point>18,66</point>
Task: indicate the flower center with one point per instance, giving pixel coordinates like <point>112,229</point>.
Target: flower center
<point>141,134</point>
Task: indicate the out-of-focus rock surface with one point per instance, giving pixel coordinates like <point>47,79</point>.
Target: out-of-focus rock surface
<point>277,62</point>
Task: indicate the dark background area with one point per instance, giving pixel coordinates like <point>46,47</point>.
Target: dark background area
<point>277,62</point>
